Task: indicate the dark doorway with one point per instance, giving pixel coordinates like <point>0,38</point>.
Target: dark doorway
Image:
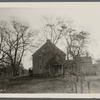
<point>57,69</point>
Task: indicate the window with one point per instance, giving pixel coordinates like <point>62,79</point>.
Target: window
<point>40,58</point>
<point>70,68</point>
<point>40,67</point>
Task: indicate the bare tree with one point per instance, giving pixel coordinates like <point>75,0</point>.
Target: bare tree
<point>75,40</point>
<point>16,39</point>
<point>51,29</point>
<point>75,45</point>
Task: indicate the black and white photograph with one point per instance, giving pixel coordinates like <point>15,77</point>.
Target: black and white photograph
<point>50,47</point>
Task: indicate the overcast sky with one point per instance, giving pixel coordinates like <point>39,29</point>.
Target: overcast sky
<point>85,15</point>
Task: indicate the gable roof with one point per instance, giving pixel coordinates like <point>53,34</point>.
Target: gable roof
<point>85,59</point>
<point>52,47</point>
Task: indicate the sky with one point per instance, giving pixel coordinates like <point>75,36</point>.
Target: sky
<point>85,15</point>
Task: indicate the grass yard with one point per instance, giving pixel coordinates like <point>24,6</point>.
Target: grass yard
<point>94,84</point>
<point>28,84</point>
<point>32,85</point>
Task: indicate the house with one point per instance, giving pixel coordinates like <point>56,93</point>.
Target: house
<point>87,65</point>
<point>48,60</point>
<point>96,69</point>
<point>70,67</point>
<point>83,65</point>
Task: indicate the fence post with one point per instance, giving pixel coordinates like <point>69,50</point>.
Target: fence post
<point>81,84</point>
<point>88,86</point>
<point>75,87</point>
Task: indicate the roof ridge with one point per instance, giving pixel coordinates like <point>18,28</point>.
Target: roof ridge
<point>53,45</point>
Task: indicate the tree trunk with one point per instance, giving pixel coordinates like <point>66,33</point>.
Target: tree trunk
<point>14,71</point>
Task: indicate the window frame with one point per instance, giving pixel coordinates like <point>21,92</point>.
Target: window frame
<point>40,58</point>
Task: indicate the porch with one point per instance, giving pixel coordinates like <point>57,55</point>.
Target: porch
<point>55,70</point>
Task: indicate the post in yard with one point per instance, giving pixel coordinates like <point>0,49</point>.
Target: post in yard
<point>75,83</point>
<point>82,78</point>
<point>81,84</point>
<point>88,86</point>
<point>75,87</point>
